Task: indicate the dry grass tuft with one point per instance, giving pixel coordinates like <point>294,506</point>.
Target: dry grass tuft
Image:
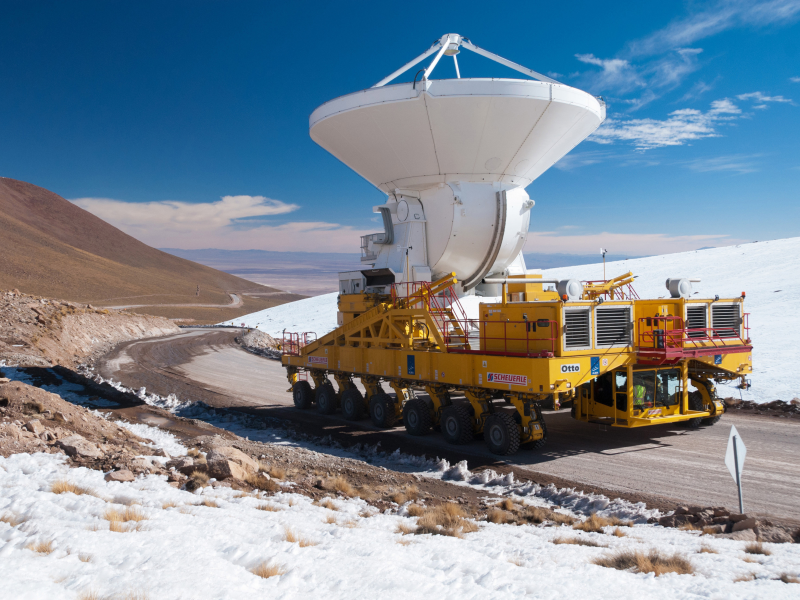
<point>786,578</point>
<point>403,542</point>
<point>445,519</point>
<point>398,498</point>
<point>747,577</point>
<point>170,504</point>
<point>193,452</point>
<point>341,485</point>
<point>750,559</point>
<point>89,595</point>
<point>291,501</point>
<point>618,533</point>
<point>260,482</point>
<point>404,529</point>
<point>507,504</point>
<point>688,527</point>
<point>45,547</point>
<point>268,569</point>
<point>199,477</point>
<point>209,502</point>
<point>704,549</point>
<point>272,470</point>
<point>117,527</point>
<point>577,541</point>
<point>12,519</point>
<point>495,515</point>
<point>595,524</point>
<point>62,486</point>
<point>517,560</point>
<point>269,507</point>
<point>85,557</point>
<point>708,530</point>
<point>415,510</point>
<point>130,513</point>
<point>351,524</point>
<point>412,492</point>
<point>646,562</point>
<point>535,514</point>
<point>328,503</point>
<point>330,520</point>
<point>757,548</point>
<point>290,536</point>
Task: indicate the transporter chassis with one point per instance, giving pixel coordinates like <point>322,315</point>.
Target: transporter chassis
<point>622,361</point>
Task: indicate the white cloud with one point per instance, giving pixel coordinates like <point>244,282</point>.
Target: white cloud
<point>738,163</point>
<point>719,17</point>
<point>615,74</point>
<point>681,127</point>
<point>184,216</point>
<point>631,244</point>
<point>760,97</point>
<point>231,223</point>
<point>794,79</point>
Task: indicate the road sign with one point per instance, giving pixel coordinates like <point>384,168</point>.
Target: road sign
<point>734,460</point>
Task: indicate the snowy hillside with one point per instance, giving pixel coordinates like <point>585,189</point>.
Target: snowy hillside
<point>768,271</point>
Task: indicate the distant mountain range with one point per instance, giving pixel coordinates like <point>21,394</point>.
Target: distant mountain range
<point>50,247</point>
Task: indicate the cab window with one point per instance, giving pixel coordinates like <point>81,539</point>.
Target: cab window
<point>668,387</point>
<point>621,384</point>
<point>643,389</point>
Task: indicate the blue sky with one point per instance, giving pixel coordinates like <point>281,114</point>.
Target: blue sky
<point>186,123</point>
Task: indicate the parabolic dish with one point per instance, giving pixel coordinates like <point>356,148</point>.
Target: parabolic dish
<point>415,136</point>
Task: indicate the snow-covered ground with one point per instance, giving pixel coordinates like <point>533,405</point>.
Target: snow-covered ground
<point>769,272</point>
<point>185,549</point>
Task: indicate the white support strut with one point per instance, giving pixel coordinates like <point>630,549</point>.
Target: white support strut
<point>499,59</point>
<point>445,43</point>
<point>407,66</point>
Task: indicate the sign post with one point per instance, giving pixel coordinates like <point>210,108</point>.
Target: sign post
<point>734,460</point>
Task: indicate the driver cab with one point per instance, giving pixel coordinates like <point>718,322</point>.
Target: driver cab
<point>631,393</point>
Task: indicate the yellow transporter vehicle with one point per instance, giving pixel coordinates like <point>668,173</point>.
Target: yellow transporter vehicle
<point>623,361</point>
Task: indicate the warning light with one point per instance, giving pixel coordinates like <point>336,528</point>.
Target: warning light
<point>564,297</point>
<point>743,294</point>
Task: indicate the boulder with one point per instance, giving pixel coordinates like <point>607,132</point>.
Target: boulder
<point>184,464</point>
<point>77,445</point>
<point>775,535</point>
<point>681,510</point>
<point>224,462</point>
<point>750,523</point>
<point>721,512</point>
<point>746,535</point>
<point>123,475</point>
<point>35,426</point>
<point>141,464</point>
<point>736,517</point>
<point>721,520</point>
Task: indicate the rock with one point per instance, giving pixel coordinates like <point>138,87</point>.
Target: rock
<point>721,520</point>
<point>34,426</point>
<point>736,517</point>
<point>746,535</point>
<point>668,521</point>
<point>77,445</point>
<point>681,510</point>
<point>46,436</point>
<point>750,523</point>
<point>160,452</point>
<point>184,464</point>
<point>141,464</point>
<point>694,509</point>
<point>775,535</point>
<point>683,519</point>
<point>122,475</point>
<point>714,529</point>
<point>701,523</point>
<point>705,514</point>
<point>59,416</point>
<point>224,462</point>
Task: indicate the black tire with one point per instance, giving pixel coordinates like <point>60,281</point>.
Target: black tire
<point>417,417</point>
<point>712,420</point>
<point>326,399</point>
<point>457,424</point>
<point>695,403</point>
<point>353,408</point>
<point>303,395</point>
<point>501,434</point>
<point>542,440</point>
<point>381,410</point>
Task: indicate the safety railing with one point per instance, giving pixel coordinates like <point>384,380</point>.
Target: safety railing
<point>625,292</point>
<point>293,342</point>
<point>511,338</point>
<point>443,307</point>
<point>663,333</point>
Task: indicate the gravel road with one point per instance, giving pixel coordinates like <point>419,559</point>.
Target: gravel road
<point>662,465</point>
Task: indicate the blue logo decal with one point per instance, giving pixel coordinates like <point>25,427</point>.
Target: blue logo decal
<point>410,364</point>
<point>490,377</point>
<point>718,359</point>
<point>595,365</point>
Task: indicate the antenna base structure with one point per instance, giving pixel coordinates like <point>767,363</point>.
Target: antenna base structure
<point>453,157</point>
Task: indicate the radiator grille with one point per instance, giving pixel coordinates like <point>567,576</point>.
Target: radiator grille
<point>696,318</point>
<point>613,327</point>
<point>578,331</point>
<point>725,320</point>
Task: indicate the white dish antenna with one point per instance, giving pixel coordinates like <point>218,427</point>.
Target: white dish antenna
<point>454,157</point>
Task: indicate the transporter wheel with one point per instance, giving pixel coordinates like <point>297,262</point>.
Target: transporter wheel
<point>417,417</point>
<point>381,410</point>
<point>326,399</point>
<point>457,424</point>
<point>712,420</point>
<point>695,403</point>
<point>353,405</point>
<point>501,434</point>
<point>302,395</point>
<point>543,440</point>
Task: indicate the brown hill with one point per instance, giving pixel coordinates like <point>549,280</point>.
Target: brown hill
<point>50,247</point>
